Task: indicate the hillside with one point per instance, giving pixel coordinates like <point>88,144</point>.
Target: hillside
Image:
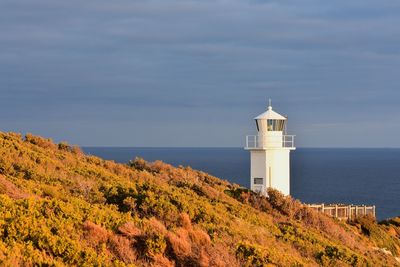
<point>60,207</point>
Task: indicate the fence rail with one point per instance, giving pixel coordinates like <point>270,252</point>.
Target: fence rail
<point>344,212</point>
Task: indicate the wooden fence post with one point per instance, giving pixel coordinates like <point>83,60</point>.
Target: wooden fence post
<point>349,212</point>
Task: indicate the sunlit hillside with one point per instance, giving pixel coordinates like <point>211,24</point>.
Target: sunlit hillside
<point>61,207</point>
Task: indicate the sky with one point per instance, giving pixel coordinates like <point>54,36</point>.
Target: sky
<point>195,73</point>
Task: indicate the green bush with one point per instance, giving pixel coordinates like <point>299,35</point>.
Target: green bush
<point>251,255</point>
<point>332,255</point>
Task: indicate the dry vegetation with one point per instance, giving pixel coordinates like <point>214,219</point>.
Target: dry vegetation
<point>60,207</point>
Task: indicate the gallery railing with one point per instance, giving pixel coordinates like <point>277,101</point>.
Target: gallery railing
<point>261,141</point>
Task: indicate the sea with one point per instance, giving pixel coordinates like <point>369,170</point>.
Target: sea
<point>318,175</point>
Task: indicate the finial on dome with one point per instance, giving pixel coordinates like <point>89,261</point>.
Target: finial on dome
<point>270,104</point>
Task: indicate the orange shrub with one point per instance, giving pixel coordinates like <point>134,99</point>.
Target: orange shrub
<point>39,141</point>
<point>184,221</point>
<point>156,227</point>
<point>121,248</point>
<point>203,259</point>
<point>199,237</point>
<point>64,146</point>
<point>284,204</point>
<point>220,256</point>
<point>158,166</point>
<point>161,261</point>
<point>6,187</point>
<point>94,233</point>
<point>139,164</point>
<point>308,216</point>
<point>129,230</point>
<point>179,243</point>
<point>77,150</point>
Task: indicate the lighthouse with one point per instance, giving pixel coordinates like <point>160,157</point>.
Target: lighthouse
<point>270,153</point>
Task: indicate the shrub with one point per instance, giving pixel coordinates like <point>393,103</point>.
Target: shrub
<point>161,261</point>
<point>153,239</point>
<point>203,259</point>
<point>129,203</point>
<point>122,196</point>
<point>382,238</point>
<point>121,247</point>
<point>284,204</point>
<point>394,221</point>
<point>155,227</point>
<point>139,164</point>
<point>179,244</point>
<point>7,187</point>
<point>368,225</point>
<point>64,146</point>
<point>129,230</point>
<point>251,255</point>
<point>246,196</point>
<point>77,150</point>
<point>155,244</point>
<point>331,255</point>
<point>39,141</point>
<point>220,256</point>
<point>184,221</point>
<point>238,193</point>
<point>158,166</point>
<point>95,234</point>
<point>199,237</point>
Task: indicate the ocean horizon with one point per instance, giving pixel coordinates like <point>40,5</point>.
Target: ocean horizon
<point>359,176</point>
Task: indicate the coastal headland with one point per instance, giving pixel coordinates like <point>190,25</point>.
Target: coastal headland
<point>61,207</point>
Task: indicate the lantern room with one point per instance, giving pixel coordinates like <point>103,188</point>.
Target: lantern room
<point>270,121</point>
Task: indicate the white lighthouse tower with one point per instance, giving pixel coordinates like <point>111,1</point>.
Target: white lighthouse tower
<point>270,153</point>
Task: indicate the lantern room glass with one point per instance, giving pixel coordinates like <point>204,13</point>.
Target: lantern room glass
<point>272,125</point>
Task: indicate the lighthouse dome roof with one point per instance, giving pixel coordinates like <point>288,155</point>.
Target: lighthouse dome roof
<point>270,115</point>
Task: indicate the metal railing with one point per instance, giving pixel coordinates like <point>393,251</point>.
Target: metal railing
<point>288,140</point>
<point>260,141</point>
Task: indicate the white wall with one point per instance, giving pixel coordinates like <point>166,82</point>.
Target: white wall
<point>279,161</point>
<point>274,161</point>
<point>258,168</point>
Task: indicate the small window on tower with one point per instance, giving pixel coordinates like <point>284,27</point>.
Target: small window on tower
<point>258,181</point>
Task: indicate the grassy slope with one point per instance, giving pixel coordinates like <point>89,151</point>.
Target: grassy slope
<point>61,207</point>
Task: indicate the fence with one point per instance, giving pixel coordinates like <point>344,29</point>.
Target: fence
<point>344,212</point>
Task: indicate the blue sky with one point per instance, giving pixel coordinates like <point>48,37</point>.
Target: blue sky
<point>195,73</point>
